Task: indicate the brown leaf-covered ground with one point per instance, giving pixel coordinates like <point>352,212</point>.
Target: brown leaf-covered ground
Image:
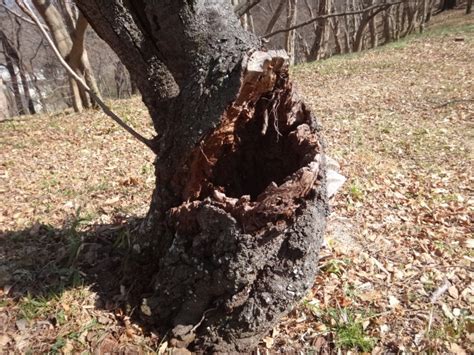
<point>397,271</point>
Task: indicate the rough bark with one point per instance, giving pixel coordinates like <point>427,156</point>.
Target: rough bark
<point>239,208</point>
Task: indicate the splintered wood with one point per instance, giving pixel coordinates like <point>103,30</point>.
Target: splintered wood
<point>262,161</point>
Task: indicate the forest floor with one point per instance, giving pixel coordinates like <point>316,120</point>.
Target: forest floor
<point>396,274</point>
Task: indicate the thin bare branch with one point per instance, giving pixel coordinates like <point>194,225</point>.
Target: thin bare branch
<point>19,16</point>
<point>103,106</point>
<point>314,19</point>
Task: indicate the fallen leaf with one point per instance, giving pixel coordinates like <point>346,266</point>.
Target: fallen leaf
<point>393,302</point>
<point>4,340</point>
<point>453,292</point>
<point>269,341</point>
<point>456,349</point>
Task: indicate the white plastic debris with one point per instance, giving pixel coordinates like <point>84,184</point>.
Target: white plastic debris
<point>334,179</point>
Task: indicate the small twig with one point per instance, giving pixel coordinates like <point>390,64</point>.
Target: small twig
<point>430,320</point>
<point>103,106</point>
<point>202,319</point>
<point>380,266</point>
<point>447,103</point>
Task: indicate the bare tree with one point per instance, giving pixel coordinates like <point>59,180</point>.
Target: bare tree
<point>367,16</point>
<point>321,32</point>
<point>10,59</point>
<point>373,31</point>
<point>68,32</point>
<point>4,107</point>
<point>290,36</point>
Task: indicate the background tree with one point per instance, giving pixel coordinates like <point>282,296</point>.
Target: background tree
<point>47,80</point>
<point>68,31</point>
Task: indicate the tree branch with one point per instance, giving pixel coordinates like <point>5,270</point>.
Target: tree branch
<point>314,19</point>
<point>19,16</point>
<point>103,106</point>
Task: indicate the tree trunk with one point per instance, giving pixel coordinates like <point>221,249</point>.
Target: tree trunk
<point>373,32</point>
<point>20,110</point>
<point>387,26</point>
<point>63,42</point>
<point>429,12</point>
<point>424,14</point>
<point>68,31</point>
<point>10,60</point>
<point>366,18</point>
<point>318,50</point>
<point>133,87</point>
<point>276,15</point>
<point>13,58</point>
<point>411,16</point>
<point>468,7</point>
<point>26,90</point>
<point>335,25</point>
<point>290,36</point>
<point>447,5</point>
<point>4,109</point>
<point>238,211</point>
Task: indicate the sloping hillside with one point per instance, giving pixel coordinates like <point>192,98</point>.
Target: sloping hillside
<point>397,271</point>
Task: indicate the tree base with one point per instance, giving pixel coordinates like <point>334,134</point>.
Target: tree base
<point>245,243</point>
